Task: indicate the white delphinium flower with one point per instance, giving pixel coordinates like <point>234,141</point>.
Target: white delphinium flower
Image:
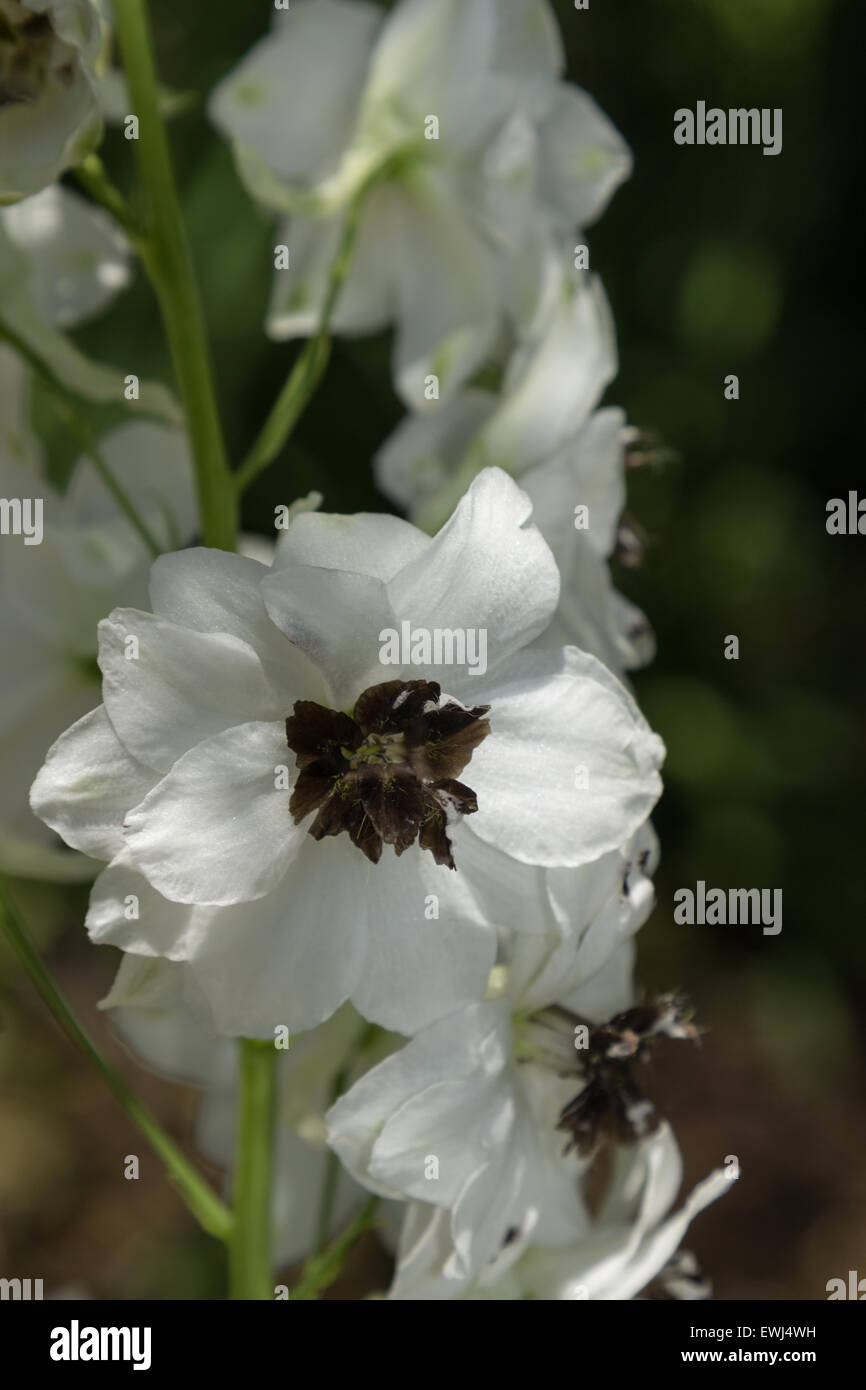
<point>90,557</point>
<point>49,115</point>
<point>474,153</point>
<point>160,1012</point>
<point>257,721</point>
<point>623,1247</point>
<point>62,260</point>
<point>543,428</point>
<point>473,1115</point>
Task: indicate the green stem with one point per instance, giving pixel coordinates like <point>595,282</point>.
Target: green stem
<point>170,266</point>
<point>251,1276</point>
<point>308,370</point>
<point>202,1201</point>
<point>93,176</point>
<point>65,402</point>
<point>321,1271</point>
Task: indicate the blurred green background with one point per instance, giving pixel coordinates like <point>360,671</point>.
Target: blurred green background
<point>716,261</point>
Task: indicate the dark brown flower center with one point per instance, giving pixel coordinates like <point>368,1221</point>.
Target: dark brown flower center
<point>611,1104</point>
<point>386,773</point>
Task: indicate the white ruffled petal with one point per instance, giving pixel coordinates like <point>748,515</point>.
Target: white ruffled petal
<point>87,784</point>
<point>217,830</point>
<point>569,769</point>
<point>166,688</point>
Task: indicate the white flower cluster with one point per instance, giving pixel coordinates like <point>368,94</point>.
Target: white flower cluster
<point>429,877</point>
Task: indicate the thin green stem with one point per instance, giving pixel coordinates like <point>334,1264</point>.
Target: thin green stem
<point>65,402</point>
<point>251,1276</point>
<point>202,1201</point>
<point>321,1271</point>
<point>169,264</point>
<point>308,370</point>
<point>93,176</point>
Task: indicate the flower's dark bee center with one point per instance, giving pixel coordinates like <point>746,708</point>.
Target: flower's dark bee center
<point>30,54</point>
<point>386,773</point>
<point>611,1104</point>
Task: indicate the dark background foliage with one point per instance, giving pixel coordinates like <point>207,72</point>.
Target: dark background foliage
<point>716,261</point>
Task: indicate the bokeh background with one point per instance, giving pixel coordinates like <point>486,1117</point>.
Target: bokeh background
<point>716,261</point>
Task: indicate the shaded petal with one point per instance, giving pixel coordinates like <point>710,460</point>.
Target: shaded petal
<point>589,471</point>
<point>552,384</point>
<point>294,956</point>
<point>447,315</point>
<point>40,139</point>
<point>471,1049</point>
<point>127,911</point>
<point>152,464</point>
<point>528,42</point>
<point>335,617</point>
<point>415,464</point>
<point>416,967</point>
<point>584,158</point>
<point>594,617</point>
<point>315,62</point>
<point>77,258</point>
<point>365,303</point>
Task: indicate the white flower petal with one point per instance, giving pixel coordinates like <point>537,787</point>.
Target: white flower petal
<point>487,568</point>
<point>553,383</point>
<point>293,956</point>
<point>77,258</point>
<point>216,592</point>
<point>39,139</point>
<point>470,1049</point>
<point>447,306</point>
<point>152,464</point>
<point>216,830</point>
<point>417,968</point>
<point>365,303</point>
<point>416,462</point>
<point>179,686</point>
<point>314,61</point>
<point>87,784</point>
<point>528,41</point>
<point>367,543</point>
<point>584,158</point>
<point>589,471</point>
<point>335,617</point>
<point>428,56</point>
<point>559,720</point>
<point>127,911</point>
